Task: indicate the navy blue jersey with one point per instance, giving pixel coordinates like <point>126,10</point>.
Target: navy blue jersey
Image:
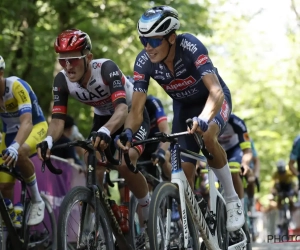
<point>191,63</point>
<point>156,113</point>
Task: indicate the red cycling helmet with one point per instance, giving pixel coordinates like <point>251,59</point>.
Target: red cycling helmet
<point>72,40</point>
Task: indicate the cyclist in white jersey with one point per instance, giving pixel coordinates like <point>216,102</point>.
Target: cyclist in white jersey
<point>101,84</point>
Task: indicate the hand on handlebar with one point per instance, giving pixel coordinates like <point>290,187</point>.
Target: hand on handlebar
<point>44,147</point>
<point>123,141</point>
<point>100,140</point>
<point>200,125</point>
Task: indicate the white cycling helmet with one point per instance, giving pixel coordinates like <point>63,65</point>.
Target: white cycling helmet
<point>281,165</point>
<point>2,63</point>
<point>158,21</point>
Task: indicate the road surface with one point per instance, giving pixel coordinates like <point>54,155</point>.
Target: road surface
<point>281,246</point>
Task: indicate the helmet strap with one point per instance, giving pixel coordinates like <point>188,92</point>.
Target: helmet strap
<point>170,45</point>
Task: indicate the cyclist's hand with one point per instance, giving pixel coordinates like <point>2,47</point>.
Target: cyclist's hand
<point>101,139</point>
<point>159,157</point>
<point>10,155</point>
<point>244,169</point>
<point>123,141</point>
<point>43,148</point>
<point>199,125</point>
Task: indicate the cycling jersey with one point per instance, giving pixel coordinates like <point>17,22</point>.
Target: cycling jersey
<point>19,99</point>
<point>156,113</point>
<point>235,134</point>
<point>287,177</point>
<point>185,85</point>
<point>104,90</point>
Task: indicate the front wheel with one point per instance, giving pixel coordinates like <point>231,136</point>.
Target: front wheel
<point>223,235</point>
<point>76,222</point>
<point>160,217</point>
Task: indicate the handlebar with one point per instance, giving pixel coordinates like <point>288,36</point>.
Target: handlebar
<point>85,144</point>
<point>163,137</point>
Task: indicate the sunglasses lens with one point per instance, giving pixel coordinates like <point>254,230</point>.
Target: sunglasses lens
<point>153,42</point>
<point>65,61</point>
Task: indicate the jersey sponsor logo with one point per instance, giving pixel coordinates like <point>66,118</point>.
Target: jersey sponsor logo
<point>22,95</point>
<point>156,105</point>
<point>185,44</point>
<point>100,103</point>
<point>159,77</point>
<point>96,65</point>
<point>56,88</point>
<point>92,82</point>
<point>139,90</point>
<point>59,109</point>
<point>180,72</point>
<point>89,96</point>
<point>115,73</point>
<point>117,84</point>
<point>179,84</point>
<point>225,111</point>
<point>11,105</point>
<point>118,94</point>
<point>201,60</point>
<point>179,61</point>
<point>184,94</point>
<point>142,60</point>
<point>137,76</point>
<point>56,98</point>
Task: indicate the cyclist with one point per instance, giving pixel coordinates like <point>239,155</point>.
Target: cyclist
<point>24,126</point>
<point>101,84</point>
<point>181,65</point>
<point>158,123</point>
<point>284,185</point>
<point>236,142</point>
<point>295,157</point>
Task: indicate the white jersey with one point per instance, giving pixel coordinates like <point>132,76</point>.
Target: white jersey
<point>106,88</point>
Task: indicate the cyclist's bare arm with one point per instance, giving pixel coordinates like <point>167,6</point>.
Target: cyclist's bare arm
<point>292,168</point>
<point>135,116</point>
<point>246,159</point>
<point>163,126</point>
<point>25,128</point>
<point>56,128</point>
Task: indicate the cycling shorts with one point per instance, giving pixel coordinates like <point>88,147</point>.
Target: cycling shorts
<point>38,134</point>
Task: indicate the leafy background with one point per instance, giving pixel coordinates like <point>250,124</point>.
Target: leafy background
<point>265,86</point>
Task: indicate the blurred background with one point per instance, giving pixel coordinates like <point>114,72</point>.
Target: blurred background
<point>254,44</point>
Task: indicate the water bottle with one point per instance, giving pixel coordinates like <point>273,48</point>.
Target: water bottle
<point>18,208</point>
<point>124,221</point>
<point>10,208</point>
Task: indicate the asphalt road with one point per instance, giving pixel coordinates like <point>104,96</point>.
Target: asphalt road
<point>281,246</point>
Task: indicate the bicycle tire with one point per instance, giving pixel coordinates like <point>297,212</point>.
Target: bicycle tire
<point>53,223</point>
<point>84,195</point>
<point>163,190</point>
<point>133,204</point>
<point>223,235</point>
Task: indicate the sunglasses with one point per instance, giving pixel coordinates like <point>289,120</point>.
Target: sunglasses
<point>74,61</point>
<point>153,42</point>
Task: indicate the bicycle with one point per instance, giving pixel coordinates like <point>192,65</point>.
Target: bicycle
<point>196,216</point>
<point>97,219</point>
<point>26,237</point>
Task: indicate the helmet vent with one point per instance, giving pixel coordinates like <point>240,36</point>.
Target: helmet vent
<point>164,26</point>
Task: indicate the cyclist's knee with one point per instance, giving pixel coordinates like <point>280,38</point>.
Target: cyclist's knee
<point>210,140</point>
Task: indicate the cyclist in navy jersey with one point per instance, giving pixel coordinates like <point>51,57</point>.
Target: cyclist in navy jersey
<point>98,83</point>
<point>181,66</point>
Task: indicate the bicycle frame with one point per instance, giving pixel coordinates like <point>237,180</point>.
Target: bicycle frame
<point>187,198</point>
<point>18,241</point>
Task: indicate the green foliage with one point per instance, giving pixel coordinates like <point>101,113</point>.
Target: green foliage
<point>29,29</point>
